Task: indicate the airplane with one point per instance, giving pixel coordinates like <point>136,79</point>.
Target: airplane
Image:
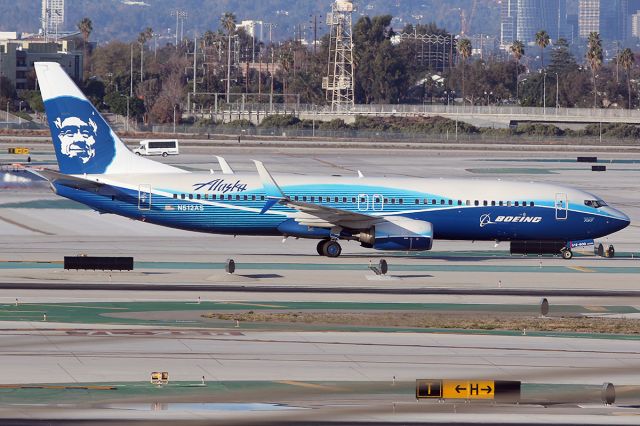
<point>397,214</point>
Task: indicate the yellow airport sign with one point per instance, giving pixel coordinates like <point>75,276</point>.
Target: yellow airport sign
<point>18,150</point>
<point>461,389</point>
<point>499,390</point>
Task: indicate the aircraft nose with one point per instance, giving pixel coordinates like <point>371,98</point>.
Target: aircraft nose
<point>620,219</point>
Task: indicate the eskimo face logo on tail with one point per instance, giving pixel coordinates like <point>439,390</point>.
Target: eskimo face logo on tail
<point>83,141</point>
<point>77,138</point>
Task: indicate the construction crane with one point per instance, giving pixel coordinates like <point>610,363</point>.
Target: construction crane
<point>465,23</point>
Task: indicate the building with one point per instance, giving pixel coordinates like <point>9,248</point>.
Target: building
<point>52,17</point>
<point>18,55</point>
<point>635,25</point>
<point>508,23</point>
<point>253,28</point>
<point>606,17</point>
<point>522,19</point>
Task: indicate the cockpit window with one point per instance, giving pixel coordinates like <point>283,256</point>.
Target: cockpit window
<point>596,204</point>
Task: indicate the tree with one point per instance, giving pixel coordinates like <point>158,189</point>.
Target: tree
<point>228,22</point>
<point>86,27</point>
<point>542,40</point>
<point>464,50</point>
<point>594,58</point>
<point>626,58</point>
<point>517,51</point>
<point>143,38</point>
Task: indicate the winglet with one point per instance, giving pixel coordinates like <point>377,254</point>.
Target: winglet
<point>272,190</point>
<point>360,175</point>
<point>226,169</point>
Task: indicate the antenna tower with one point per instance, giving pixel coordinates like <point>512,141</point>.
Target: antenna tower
<point>339,80</point>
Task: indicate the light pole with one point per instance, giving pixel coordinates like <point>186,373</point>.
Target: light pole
<point>131,74</point>
<point>20,109</point>
<point>174,117</point>
<point>8,102</point>
<point>128,113</point>
<point>447,93</point>
<point>544,93</point>
<point>557,92</point>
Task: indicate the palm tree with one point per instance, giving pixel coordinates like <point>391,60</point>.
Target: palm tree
<point>143,38</point>
<point>85,26</point>
<point>594,58</point>
<point>627,59</point>
<point>542,40</point>
<point>228,22</point>
<point>464,50</point>
<point>517,50</point>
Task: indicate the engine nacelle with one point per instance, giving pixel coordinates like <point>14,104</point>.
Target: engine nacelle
<point>400,234</point>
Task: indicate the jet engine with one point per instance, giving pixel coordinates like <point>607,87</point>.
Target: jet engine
<point>398,233</point>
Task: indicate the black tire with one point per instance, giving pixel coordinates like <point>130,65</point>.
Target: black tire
<point>600,250</point>
<point>320,247</point>
<point>567,254</point>
<point>164,154</point>
<point>611,251</point>
<point>138,154</point>
<point>384,268</point>
<point>331,249</point>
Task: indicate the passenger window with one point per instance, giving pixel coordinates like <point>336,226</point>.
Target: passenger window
<point>442,202</point>
<point>485,203</point>
<point>191,196</point>
<point>237,198</point>
<point>175,195</point>
<point>386,201</point>
<point>246,197</point>
<point>393,201</point>
<point>493,203</point>
<point>508,203</point>
<point>262,198</point>
<point>433,201</point>
<point>335,199</point>
<point>253,198</point>
<point>417,201</point>
<point>459,202</point>
<point>353,199</point>
<point>229,197</point>
<point>400,200</point>
<point>532,204</point>
<point>468,202</point>
<point>500,203</point>
<point>477,203</point>
<point>313,199</point>
<point>198,196</point>
<point>450,202</point>
<point>516,204</point>
<point>344,199</point>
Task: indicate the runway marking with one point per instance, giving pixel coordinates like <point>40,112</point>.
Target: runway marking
<point>23,226</point>
<point>252,304</point>
<point>55,305</point>
<point>597,308</point>
<point>95,387</point>
<point>581,269</point>
<point>308,385</point>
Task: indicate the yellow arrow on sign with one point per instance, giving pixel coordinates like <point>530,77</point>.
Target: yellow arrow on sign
<point>477,389</point>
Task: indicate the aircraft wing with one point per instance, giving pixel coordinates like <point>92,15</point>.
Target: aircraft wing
<point>311,214</point>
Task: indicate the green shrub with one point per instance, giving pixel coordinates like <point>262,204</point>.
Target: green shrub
<point>280,121</point>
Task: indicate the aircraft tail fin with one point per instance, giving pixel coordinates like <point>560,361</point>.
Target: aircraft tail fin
<point>84,142</point>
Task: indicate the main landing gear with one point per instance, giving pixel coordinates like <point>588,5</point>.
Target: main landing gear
<point>329,248</point>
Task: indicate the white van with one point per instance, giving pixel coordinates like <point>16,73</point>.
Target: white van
<point>162,147</point>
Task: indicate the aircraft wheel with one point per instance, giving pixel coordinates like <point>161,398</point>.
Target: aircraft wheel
<point>611,252</point>
<point>138,154</point>
<point>320,247</point>
<point>600,250</point>
<point>331,249</point>
<point>164,154</point>
<point>567,254</point>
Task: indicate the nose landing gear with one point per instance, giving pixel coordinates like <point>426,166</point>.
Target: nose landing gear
<point>329,248</point>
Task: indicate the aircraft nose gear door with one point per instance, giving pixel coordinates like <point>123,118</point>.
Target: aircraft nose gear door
<point>144,197</point>
<point>562,206</point>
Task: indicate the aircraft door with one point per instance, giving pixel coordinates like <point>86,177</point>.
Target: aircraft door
<point>377,202</point>
<point>562,206</point>
<point>144,197</point>
<point>363,202</point>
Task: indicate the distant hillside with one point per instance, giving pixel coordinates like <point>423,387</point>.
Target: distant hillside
<point>124,19</point>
